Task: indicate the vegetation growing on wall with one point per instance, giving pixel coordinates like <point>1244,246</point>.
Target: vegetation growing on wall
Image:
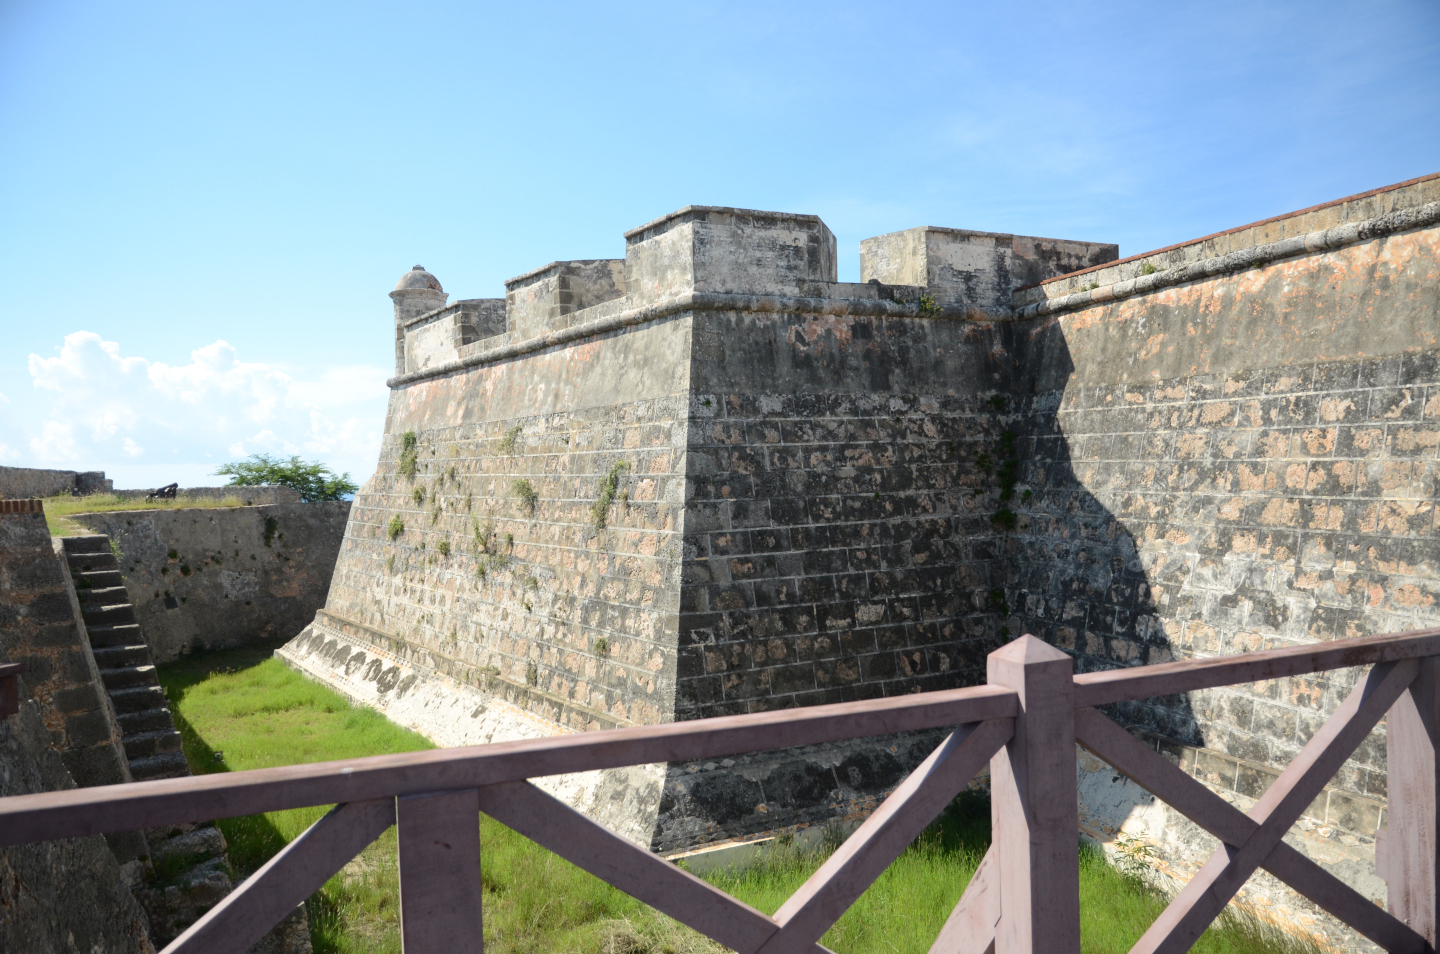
<point>525,492</point>
<point>409,453</point>
<point>600,512</point>
<point>395,527</point>
<point>511,440</point>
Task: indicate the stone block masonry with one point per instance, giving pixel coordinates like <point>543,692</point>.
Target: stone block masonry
<point>20,482</point>
<point>216,577</point>
<point>41,626</point>
<point>729,483</point>
<point>66,895</point>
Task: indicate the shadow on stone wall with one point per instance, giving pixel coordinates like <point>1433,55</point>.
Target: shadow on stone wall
<point>1077,578</point>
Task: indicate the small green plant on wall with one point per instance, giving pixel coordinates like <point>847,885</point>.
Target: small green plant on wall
<point>395,527</point>
<point>418,494</point>
<point>511,440</point>
<point>600,512</point>
<point>444,548</point>
<point>602,647</point>
<point>484,534</point>
<point>409,452</point>
<point>525,492</point>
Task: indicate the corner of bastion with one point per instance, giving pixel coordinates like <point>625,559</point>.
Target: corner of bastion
<point>708,478</point>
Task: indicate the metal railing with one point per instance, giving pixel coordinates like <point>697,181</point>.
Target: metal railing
<point>1023,898</point>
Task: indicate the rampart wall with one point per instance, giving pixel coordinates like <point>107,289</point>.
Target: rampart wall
<point>216,577</point>
<point>861,489</point>
<point>18,482</point>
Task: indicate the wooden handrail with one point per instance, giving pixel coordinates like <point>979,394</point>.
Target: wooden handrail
<point>1022,900</point>
<point>1165,679</point>
<point>112,808</point>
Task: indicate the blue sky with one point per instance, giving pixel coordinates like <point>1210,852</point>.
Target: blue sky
<point>203,206</point>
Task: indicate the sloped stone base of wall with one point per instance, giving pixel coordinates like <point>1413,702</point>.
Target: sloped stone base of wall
<point>453,714</point>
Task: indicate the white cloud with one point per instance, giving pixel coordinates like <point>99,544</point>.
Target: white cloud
<point>93,408</point>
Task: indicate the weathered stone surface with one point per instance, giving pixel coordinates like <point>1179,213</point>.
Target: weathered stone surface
<point>18,482</point>
<point>834,491</point>
<point>223,576</point>
<point>41,626</point>
<point>59,896</point>
<point>980,268</point>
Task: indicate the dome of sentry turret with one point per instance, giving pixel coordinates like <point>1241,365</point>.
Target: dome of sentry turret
<point>417,279</point>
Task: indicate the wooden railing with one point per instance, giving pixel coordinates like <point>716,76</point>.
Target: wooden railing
<point>1023,898</point>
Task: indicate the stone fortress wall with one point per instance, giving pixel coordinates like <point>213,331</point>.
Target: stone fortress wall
<point>218,577</point>
<point>710,479</point>
<point>18,482</point>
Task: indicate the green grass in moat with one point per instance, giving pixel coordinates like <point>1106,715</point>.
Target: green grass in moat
<point>257,713</point>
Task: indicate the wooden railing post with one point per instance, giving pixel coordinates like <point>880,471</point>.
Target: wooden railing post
<point>1406,854</point>
<point>439,837</point>
<point>1033,804</point>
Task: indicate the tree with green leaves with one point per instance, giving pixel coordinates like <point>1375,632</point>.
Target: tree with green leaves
<point>314,481</point>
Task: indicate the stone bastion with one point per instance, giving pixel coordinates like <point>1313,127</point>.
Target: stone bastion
<point>708,478</point>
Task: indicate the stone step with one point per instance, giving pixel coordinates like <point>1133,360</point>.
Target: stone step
<point>91,580</point>
<point>149,720</point>
<point>129,677</point>
<point>202,842</point>
<point>87,543</point>
<point>113,615</point>
<point>85,562</point>
<point>146,744</point>
<point>169,765</point>
<point>125,634</point>
<point>139,699</point>
<point>93,596</point>
<point>117,657</point>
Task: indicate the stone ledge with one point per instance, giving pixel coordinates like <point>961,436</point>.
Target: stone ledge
<point>1399,221</point>
<point>702,301</point>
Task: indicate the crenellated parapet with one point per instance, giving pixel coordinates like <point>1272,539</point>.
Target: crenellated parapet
<point>712,258</point>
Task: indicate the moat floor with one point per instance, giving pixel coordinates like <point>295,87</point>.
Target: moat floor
<point>243,710</point>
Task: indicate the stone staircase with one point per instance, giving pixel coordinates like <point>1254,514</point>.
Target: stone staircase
<point>147,726</point>
<point>190,870</point>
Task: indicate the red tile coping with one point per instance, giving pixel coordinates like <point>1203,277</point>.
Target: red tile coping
<point>1238,228</point>
<point>31,505</point>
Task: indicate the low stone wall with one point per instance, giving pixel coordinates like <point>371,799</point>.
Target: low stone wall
<point>224,576</point>
<point>249,496</point>
<point>30,482</point>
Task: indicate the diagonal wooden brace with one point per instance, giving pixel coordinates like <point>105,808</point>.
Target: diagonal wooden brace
<point>552,824</point>
<point>298,871</point>
<point>970,929</point>
<point>1205,896</point>
<point>889,830</point>
<point>1187,795</point>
